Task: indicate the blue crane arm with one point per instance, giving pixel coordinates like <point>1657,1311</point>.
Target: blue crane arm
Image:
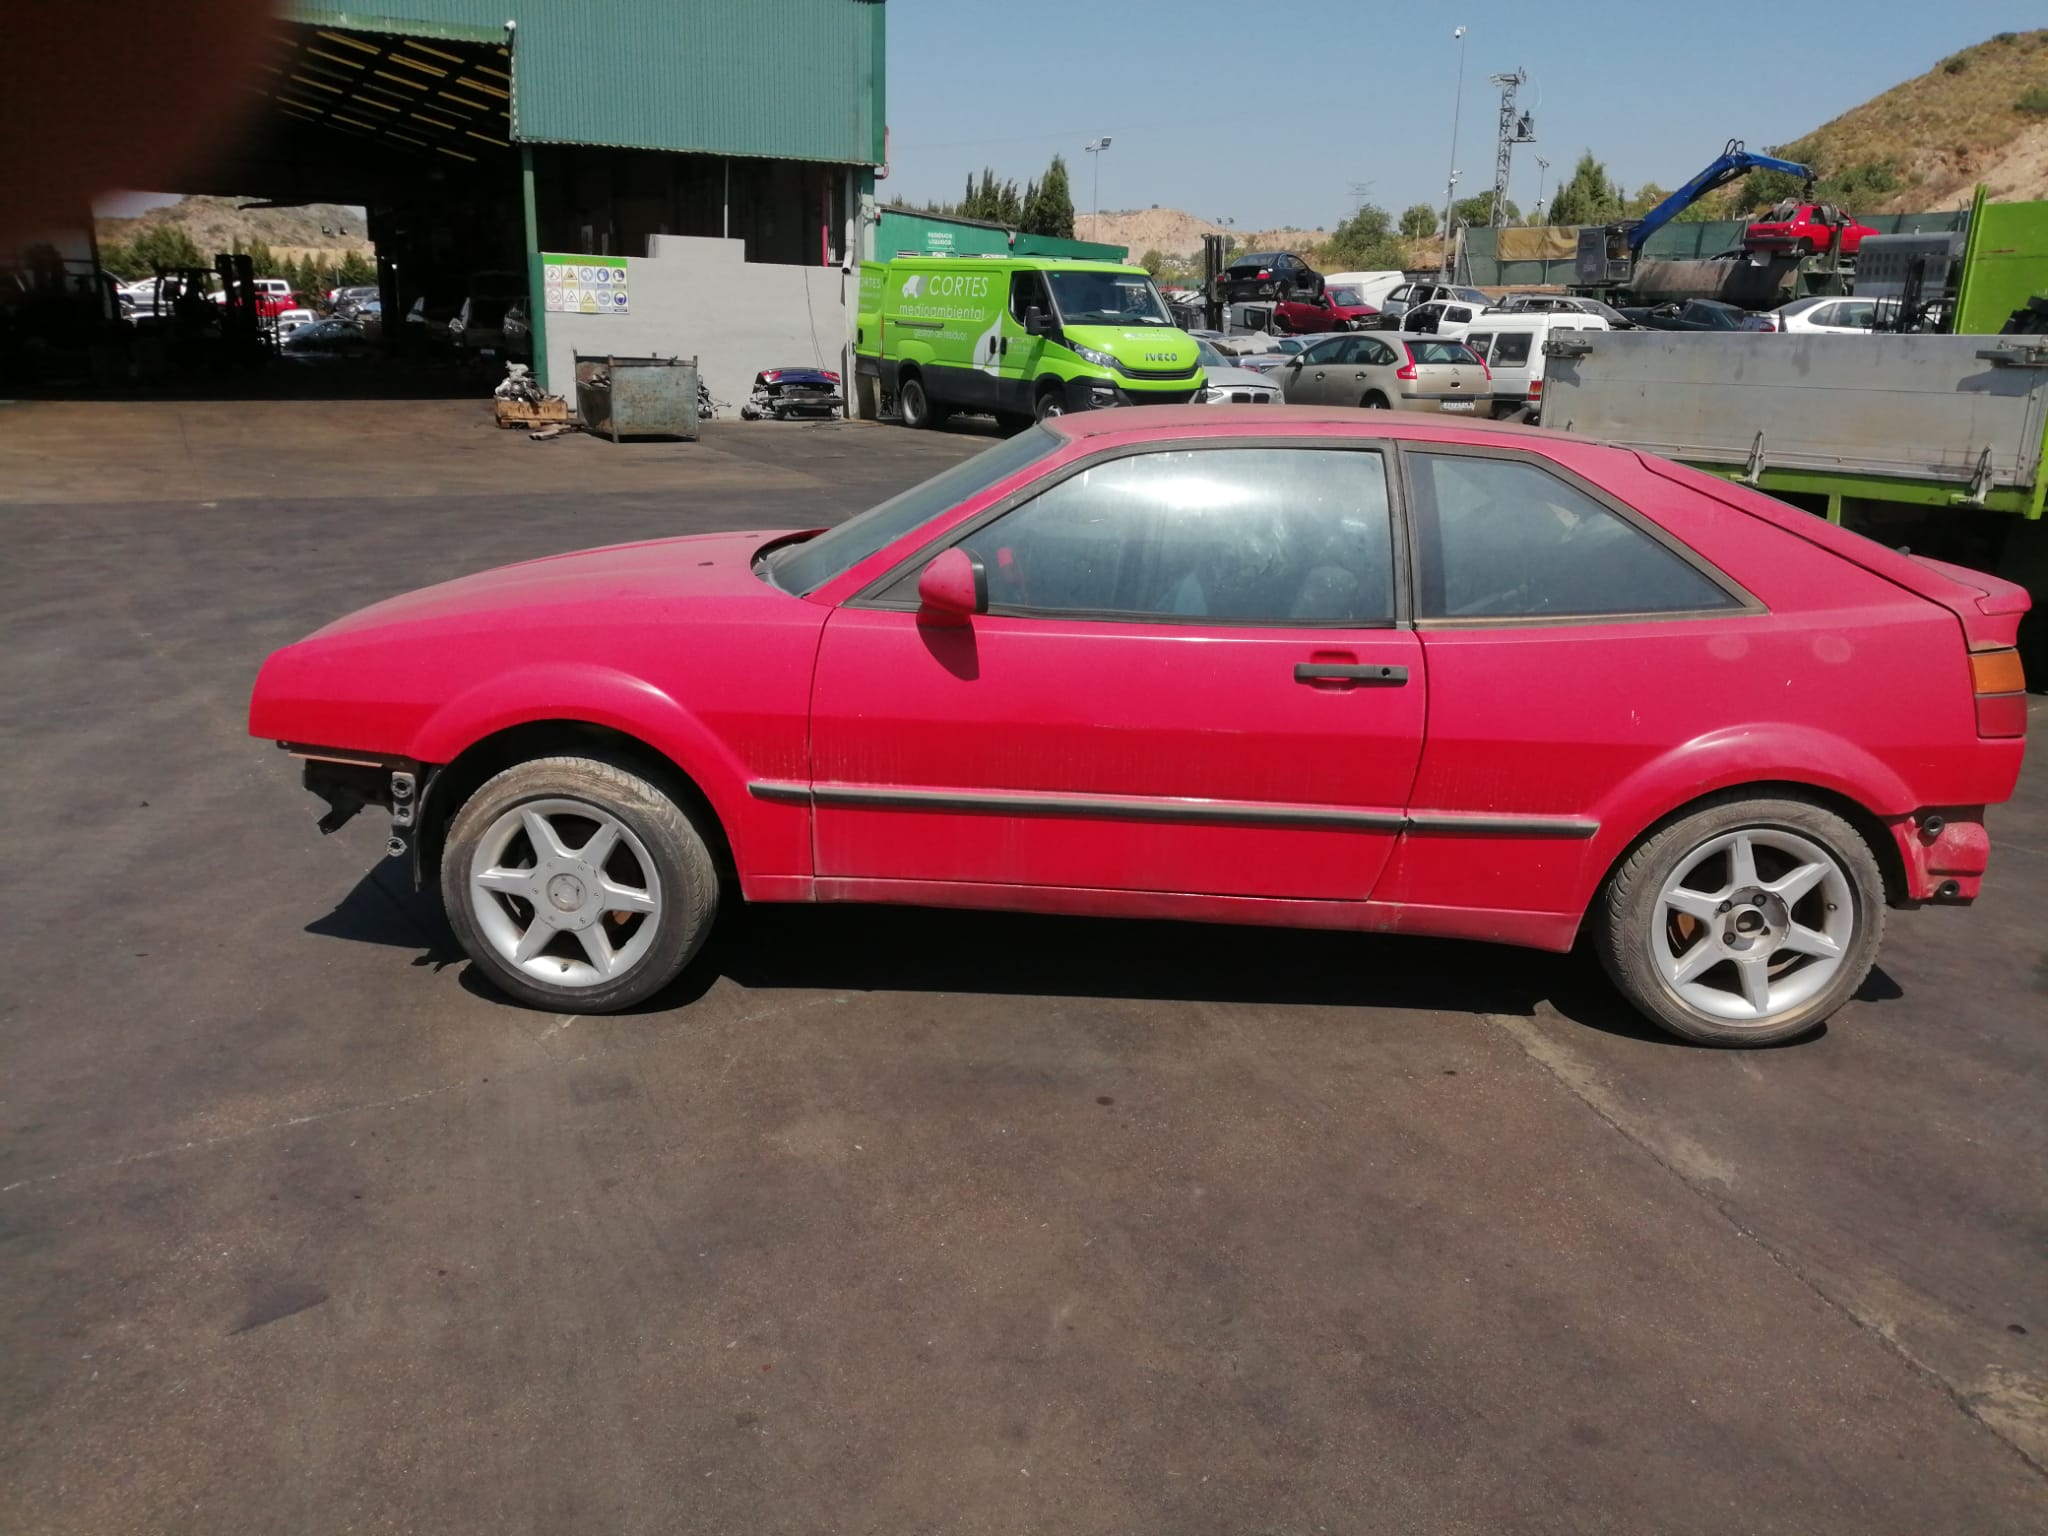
<point>1733,161</point>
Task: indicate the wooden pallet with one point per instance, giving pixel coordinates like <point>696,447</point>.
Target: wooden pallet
<point>519,413</point>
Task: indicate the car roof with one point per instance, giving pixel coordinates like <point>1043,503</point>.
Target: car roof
<point>1137,423</point>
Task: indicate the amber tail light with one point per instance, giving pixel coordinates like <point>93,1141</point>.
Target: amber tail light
<point>2001,687</point>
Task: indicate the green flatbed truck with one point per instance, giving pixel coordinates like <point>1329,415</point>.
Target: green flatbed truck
<point>1938,442</point>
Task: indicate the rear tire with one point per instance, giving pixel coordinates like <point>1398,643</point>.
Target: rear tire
<point>913,404</point>
<point>1375,401</point>
<point>558,926</point>
<point>1745,923</point>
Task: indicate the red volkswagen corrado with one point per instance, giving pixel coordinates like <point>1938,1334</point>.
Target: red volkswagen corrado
<point>1315,668</point>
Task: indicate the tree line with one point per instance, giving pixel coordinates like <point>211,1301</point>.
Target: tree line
<point>1044,207</point>
<point>168,245</point>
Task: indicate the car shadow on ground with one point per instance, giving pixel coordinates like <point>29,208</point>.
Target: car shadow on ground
<point>915,949</point>
<point>998,953</point>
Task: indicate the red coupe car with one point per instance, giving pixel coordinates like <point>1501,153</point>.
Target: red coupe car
<point>1319,668</point>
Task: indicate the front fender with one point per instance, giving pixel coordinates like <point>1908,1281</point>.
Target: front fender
<point>590,695</point>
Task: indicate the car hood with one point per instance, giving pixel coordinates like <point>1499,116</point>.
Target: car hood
<point>589,582</point>
<point>380,678</point>
<point>1142,347</point>
<point>1239,378</point>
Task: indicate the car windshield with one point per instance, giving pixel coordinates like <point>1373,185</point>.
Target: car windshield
<point>1210,357</point>
<point>1107,298</point>
<point>1347,296</point>
<point>1263,259</point>
<point>805,567</point>
<point>1441,352</point>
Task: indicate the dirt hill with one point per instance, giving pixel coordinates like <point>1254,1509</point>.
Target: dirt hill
<point>1978,115</point>
<point>326,231</point>
<point>1174,233</point>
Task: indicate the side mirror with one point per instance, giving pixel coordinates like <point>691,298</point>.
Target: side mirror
<point>1036,323</point>
<point>953,588</point>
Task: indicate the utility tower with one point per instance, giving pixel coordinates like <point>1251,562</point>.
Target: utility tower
<point>1515,128</point>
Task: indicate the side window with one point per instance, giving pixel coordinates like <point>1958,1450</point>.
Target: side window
<point>1512,350</point>
<point>1861,313</point>
<point>1503,539</point>
<point>1027,290</point>
<point>1458,314</point>
<point>1379,352</point>
<point>1323,352</point>
<point>1479,342</point>
<point>1281,536</point>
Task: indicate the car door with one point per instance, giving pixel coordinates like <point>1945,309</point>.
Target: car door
<point>1022,352</point>
<point>1315,377</point>
<point>1188,679</point>
<point>1566,637</point>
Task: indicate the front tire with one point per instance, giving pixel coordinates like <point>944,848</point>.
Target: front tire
<point>1744,923</point>
<point>1050,403</point>
<point>576,886</point>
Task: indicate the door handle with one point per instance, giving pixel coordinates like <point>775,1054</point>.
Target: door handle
<point>1325,672</point>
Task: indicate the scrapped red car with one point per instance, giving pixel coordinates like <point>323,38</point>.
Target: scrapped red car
<point>1306,667</point>
<point>1806,228</point>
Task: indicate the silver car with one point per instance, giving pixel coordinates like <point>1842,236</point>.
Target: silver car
<point>1389,371</point>
<point>1232,385</point>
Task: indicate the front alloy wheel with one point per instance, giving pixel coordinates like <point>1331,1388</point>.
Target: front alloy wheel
<point>576,885</point>
<point>1745,923</point>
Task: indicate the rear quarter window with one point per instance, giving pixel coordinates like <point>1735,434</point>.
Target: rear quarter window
<point>1512,348</point>
<point>1500,538</point>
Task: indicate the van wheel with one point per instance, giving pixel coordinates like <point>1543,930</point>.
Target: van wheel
<point>913,404</point>
<point>1050,403</point>
<point>1375,401</point>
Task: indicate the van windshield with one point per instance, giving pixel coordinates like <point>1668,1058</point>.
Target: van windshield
<point>1107,298</point>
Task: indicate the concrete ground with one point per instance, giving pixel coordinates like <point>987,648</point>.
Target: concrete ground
<point>894,1221</point>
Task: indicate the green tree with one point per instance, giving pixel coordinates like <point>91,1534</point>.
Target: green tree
<point>1364,242</point>
<point>1050,208</point>
<point>1588,197</point>
<point>1418,221</point>
<point>355,272</point>
<point>1153,261</point>
<point>1477,212</point>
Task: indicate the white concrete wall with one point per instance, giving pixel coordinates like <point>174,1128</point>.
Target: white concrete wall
<point>699,297</point>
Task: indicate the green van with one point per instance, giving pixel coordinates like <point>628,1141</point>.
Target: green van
<point>1018,337</point>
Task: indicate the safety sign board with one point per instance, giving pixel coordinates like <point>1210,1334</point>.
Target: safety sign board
<point>584,285</point>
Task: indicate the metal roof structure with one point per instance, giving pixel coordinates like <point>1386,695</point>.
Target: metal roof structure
<point>784,79</point>
<point>445,97</point>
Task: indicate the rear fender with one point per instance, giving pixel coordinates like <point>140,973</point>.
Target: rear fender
<point>1775,754</point>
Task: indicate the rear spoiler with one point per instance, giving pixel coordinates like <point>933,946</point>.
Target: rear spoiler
<point>1989,607</point>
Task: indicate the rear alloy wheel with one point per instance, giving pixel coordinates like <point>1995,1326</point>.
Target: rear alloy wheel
<point>577,886</point>
<point>913,404</point>
<point>1745,923</point>
<point>1375,402</point>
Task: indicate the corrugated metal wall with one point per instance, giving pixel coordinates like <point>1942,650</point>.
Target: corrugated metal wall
<point>791,79</point>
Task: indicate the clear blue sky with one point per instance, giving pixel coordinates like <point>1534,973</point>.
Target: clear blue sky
<point>1223,108</point>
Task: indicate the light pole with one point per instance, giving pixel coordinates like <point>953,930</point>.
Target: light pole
<point>1095,147</point>
<point>1542,170</point>
<point>1451,180</point>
